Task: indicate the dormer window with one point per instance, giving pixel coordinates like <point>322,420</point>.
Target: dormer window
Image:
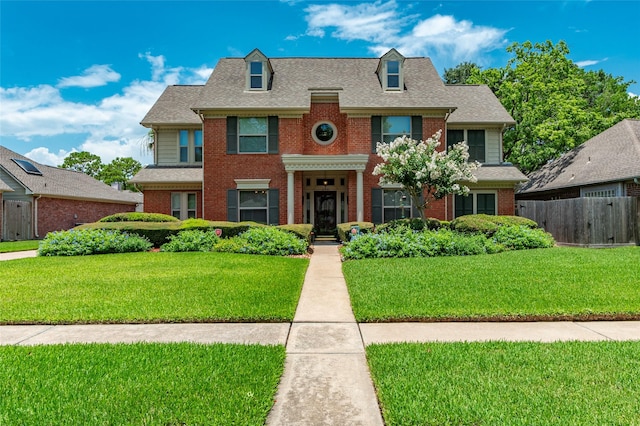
<point>390,71</point>
<point>258,71</point>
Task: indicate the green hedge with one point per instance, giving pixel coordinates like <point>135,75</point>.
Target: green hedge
<point>344,229</point>
<point>489,224</point>
<point>301,230</point>
<point>139,217</point>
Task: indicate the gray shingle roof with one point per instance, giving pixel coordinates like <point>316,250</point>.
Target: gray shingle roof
<point>499,173</point>
<point>163,175</point>
<point>174,107</point>
<point>611,156</point>
<point>477,104</point>
<point>56,182</point>
<point>354,79</point>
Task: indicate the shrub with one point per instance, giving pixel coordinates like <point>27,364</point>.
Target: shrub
<point>301,230</point>
<point>91,241</point>
<point>139,217</point>
<point>415,223</point>
<point>523,237</point>
<point>191,240</point>
<point>344,229</point>
<point>489,224</point>
<point>264,240</point>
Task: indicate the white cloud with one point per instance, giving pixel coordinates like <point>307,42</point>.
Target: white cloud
<point>385,25</point>
<point>111,123</point>
<point>590,62</point>
<point>94,76</point>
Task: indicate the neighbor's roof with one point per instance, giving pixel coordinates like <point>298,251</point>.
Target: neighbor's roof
<point>57,182</point>
<point>477,104</point>
<point>295,79</point>
<point>611,156</point>
<point>174,107</point>
<point>165,174</point>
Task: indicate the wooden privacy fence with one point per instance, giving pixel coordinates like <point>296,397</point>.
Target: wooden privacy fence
<point>606,221</point>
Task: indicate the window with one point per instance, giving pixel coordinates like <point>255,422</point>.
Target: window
<point>386,128</point>
<point>324,132</point>
<point>613,190</point>
<point>198,145</point>
<point>475,203</point>
<point>252,134</point>
<point>393,75</point>
<point>475,139</point>
<point>253,206</point>
<point>184,146</point>
<point>183,205</point>
<point>395,126</point>
<point>190,146</point>
<point>255,75</point>
<point>396,204</point>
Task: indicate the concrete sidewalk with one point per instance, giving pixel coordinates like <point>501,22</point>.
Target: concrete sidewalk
<point>18,254</point>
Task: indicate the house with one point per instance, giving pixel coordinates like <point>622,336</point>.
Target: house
<point>293,140</point>
<point>607,165</point>
<point>37,199</point>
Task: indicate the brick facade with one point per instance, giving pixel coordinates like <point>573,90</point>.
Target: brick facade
<point>633,190</point>
<point>56,214</point>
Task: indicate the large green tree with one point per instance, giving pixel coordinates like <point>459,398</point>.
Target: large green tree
<point>556,104</point>
<point>83,162</point>
<point>120,171</point>
<point>460,73</point>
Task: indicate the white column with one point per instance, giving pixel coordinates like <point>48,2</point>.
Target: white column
<point>290,198</point>
<point>359,196</point>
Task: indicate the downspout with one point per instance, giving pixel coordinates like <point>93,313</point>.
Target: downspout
<point>35,216</point>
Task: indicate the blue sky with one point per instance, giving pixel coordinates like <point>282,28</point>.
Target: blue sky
<point>81,75</point>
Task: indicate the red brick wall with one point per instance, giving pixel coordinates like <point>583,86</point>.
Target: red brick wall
<point>506,202</point>
<point>325,112</point>
<point>633,190</point>
<point>57,214</point>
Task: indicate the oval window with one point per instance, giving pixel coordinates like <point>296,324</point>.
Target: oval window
<point>324,132</point>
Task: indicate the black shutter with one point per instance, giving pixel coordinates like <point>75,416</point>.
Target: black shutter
<point>376,205</point>
<point>273,135</point>
<point>416,127</point>
<point>232,135</point>
<point>232,205</point>
<point>274,207</point>
<point>376,131</point>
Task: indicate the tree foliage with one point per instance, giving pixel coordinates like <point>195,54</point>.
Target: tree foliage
<point>556,104</point>
<point>120,170</point>
<point>425,173</point>
<point>460,74</point>
<point>83,162</point>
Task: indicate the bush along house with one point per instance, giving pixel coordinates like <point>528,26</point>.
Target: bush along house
<point>293,140</point>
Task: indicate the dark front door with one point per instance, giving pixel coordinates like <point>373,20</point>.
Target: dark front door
<point>325,212</point>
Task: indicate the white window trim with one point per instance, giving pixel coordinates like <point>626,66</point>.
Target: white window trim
<point>475,193</point>
<point>611,190</point>
<point>252,184</point>
<point>191,146</point>
<point>265,208</point>
<point>266,137</point>
<point>382,133</point>
<point>321,142</point>
<point>465,138</point>
<point>184,204</point>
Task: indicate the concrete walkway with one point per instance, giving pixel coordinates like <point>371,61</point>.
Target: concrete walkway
<point>326,380</point>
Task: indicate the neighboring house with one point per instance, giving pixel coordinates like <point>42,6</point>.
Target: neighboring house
<point>607,165</point>
<point>293,140</point>
<point>37,199</point>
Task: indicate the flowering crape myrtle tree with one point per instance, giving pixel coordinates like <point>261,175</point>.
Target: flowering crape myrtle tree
<point>425,173</point>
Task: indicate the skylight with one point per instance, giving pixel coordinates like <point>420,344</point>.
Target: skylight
<point>27,167</point>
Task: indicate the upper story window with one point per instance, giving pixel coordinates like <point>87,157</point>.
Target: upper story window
<point>258,71</point>
<point>190,146</point>
<point>394,127</point>
<point>252,134</point>
<point>390,71</point>
<point>475,139</point>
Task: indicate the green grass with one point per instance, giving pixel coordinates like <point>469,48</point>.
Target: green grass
<point>11,246</point>
<point>502,383</point>
<point>150,287</point>
<point>150,384</point>
<point>557,283</point>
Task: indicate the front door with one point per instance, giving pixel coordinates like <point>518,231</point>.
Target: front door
<point>325,212</point>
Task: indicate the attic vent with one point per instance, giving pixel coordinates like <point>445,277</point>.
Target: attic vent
<point>27,167</point>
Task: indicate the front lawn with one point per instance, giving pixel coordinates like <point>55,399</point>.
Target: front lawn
<point>505,383</point>
<point>542,284</point>
<point>150,287</point>
<point>150,384</point>
<point>11,246</point>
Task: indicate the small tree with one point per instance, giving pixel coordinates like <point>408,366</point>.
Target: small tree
<point>425,173</point>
